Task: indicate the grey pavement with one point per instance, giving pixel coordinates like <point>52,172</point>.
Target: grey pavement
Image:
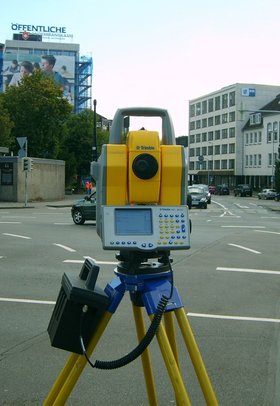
<point>66,202</point>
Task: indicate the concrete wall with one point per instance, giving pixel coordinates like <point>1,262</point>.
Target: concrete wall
<point>46,181</point>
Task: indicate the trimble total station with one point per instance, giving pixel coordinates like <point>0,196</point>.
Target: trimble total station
<point>141,213</point>
<point>141,187</point>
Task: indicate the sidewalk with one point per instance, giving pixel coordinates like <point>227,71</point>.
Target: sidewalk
<point>66,202</point>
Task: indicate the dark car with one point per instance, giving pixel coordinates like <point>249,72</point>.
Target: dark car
<point>222,190</point>
<point>243,190</point>
<point>207,191</point>
<point>277,196</point>
<point>199,198</point>
<point>84,209</point>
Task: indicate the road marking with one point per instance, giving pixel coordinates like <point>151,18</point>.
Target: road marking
<point>263,271</point>
<point>62,224</point>
<point>10,222</point>
<point>241,207</point>
<point>245,248</point>
<point>18,236</point>
<point>65,247</point>
<point>81,261</point>
<point>268,232</point>
<point>237,318</point>
<point>9,299</point>
<point>243,226</point>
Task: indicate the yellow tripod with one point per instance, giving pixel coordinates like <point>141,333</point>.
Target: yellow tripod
<point>151,286</point>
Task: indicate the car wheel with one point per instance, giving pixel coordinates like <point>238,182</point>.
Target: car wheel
<point>205,206</point>
<point>78,217</point>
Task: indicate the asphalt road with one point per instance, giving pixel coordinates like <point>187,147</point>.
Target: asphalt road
<point>228,281</point>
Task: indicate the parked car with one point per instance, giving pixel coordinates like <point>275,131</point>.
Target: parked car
<point>212,189</point>
<point>222,190</point>
<point>243,190</point>
<point>277,196</point>
<point>84,209</point>
<point>208,194</point>
<point>199,198</point>
<point>267,194</point>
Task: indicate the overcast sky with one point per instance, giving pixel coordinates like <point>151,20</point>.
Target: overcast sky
<point>162,53</point>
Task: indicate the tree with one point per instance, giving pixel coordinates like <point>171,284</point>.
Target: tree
<point>38,111</point>
<point>77,146</point>
<point>6,125</point>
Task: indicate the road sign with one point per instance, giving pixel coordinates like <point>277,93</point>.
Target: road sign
<point>21,141</point>
<point>200,158</point>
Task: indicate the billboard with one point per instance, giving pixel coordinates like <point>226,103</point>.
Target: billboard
<point>61,68</point>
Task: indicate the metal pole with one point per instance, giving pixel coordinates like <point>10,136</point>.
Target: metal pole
<point>25,180</point>
<point>94,146</point>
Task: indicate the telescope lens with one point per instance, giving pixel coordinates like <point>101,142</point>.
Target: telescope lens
<point>145,166</point>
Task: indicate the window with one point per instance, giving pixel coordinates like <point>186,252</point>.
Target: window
<point>269,132</point>
<point>275,131</point>
<point>204,137</point>
<point>224,133</point>
<point>217,103</point>
<point>224,118</point>
<point>231,117</point>
<point>259,160</point>
<point>231,132</point>
<point>217,134</point>
<point>191,166</point>
<point>210,136</point>
<point>197,151</point>
<point>204,151</point>
<point>204,107</point>
<point>255,159</point>
<point>231,163</point>
<point>224,101</point>
<point>204,122</point>
<point>251,138</point>
<point>191,151</point>
<point>197,109</point>
<point>251,160</point>
<point>210,165</point>
<point>210,105</point>
<point>198,124</point>
<point>217,120</point>
<point>192,139</point>
<point>246,160</point>
<point>224,164</point>
<point>246,139</point>
<point>197,138</point>
<point>217,165</point>
<point>232,99</point>
<point>217,149</point>
<point>210,150</point>
<point>192,125</point>
<point>192,110</point>
<point>260,137</point>
<point>224,148</point>
<point>231,148</point>
<point>210,121</point>
<point>255,137</point>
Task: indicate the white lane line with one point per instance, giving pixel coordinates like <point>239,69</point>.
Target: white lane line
<point>245,248</point>
<point>62,224</point>
<point>18,236</point>
<point>10,299</point>
<point>81,261</point>
<point>243,226</point>
<point>10,222</point>
<point>65,247</point>
<point>268,232</point>
<point>237,318</point>
<point>240,206</point>
<point>263,271</point>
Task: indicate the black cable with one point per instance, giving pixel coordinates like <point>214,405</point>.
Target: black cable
<point>143,344</point>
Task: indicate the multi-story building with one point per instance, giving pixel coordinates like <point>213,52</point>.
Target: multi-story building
<point>261,138</point>
<point>216,121</point>
<point>76,69</point>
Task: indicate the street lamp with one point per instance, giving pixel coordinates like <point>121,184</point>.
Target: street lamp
<point>208,172</point>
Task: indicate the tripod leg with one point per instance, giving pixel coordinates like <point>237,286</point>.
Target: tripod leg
<point>170,331</point>
<point>68,377</point>
<point>145,357</point>
<point>172,368</point>
<point>196,358</point>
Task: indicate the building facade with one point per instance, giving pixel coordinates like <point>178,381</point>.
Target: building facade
<point>76,70</point>
<point>261,137</point>
<point>216,152</point>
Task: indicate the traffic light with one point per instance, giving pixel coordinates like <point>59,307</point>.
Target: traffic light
<point>25,164</point>
<point>30,164</point>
